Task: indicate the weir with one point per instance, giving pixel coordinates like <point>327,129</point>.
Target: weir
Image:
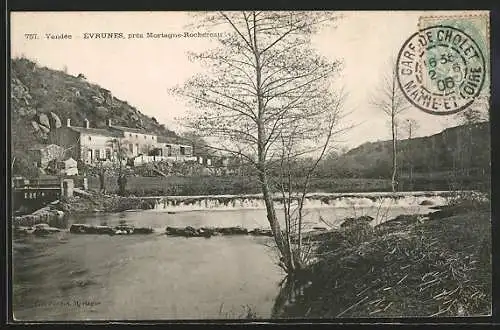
<point>313,200</point>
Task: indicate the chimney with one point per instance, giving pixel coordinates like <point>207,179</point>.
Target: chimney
<point>109,123</point>
<point>87,123</point>
<point>68,122</point>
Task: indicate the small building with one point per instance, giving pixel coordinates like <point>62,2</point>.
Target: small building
<point>43,154</point>
<point>175,147</point>
<point>68,167</point>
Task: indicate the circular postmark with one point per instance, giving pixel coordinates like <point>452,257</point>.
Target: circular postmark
<point>441,70</point>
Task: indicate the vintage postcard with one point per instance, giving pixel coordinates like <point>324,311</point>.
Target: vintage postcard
<point>257,165</point>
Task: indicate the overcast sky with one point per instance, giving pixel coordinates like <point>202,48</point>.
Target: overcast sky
<point>141,70</point>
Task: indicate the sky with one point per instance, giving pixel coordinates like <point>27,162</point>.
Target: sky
<point>140,71</point>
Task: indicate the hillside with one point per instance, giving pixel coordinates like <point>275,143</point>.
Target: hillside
<point>464,149</point>
<point>42,99</point>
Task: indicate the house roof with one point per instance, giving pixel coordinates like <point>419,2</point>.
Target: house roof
<point>96,131</point>
<point>130,129</point>
<point>39,146</point>
<point>173,140</point>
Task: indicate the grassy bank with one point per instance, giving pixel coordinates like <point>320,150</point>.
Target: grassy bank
<point>402,268</point>
<point>234,185</point>
<point>106,204</point>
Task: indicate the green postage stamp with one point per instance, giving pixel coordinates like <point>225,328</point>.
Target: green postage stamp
<point>444,67</point>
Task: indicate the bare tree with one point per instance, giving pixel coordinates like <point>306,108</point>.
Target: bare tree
<point>410,126</point>
<point>390,99</point>
<point>267,97</point>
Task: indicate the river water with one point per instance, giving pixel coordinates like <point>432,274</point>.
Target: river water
<point>99,277</point>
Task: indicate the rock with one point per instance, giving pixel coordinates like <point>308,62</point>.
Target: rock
<point>143,230</point>
<point>206,232</point>
<point>56,121</point>
<point>402,220</point>
<point>102,111</point>
<point>191,232</point>
<point>45,230</point>
<point>175,231</point>
<point>262,232</point>
<point>234,231</point>
<point>87,229</point>
<point>35,126</point>
<point>44,129</point>
<point>23,230</point>
<point>124,229</point>
<point>426,202</point>
<point>98,99</point>
<point>43,119</point>
<point>354,221</point>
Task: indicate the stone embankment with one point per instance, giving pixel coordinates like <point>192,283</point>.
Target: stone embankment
<point>211,231</point>
<point>47,215</point>
<point>44,229</point>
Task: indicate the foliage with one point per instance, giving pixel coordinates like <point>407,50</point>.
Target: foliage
<point>462,149</point>
<point>267,93</point>
<point>404,267</point>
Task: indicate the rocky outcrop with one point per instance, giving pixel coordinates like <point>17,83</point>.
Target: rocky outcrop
<point>348,222</point>
<point>46,215</point>
<point>35,126</point>
<point>41,229</point>
<point>44,229</point>
<point>108,230</point>
<point>43,120</point>
<point>208,232</point>
<point>56,121</point>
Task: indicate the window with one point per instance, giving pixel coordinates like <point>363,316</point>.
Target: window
<point>188,150</point>
<point>137,147</point>
<point>183,151</point>
<point>98,154</point>
<point>108,154</point>
<point>131,148</point>
<point>90,138</point>
<point>169,150</point>
<point>136,136</point>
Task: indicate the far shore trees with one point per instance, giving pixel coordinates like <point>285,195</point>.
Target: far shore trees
<point>269,98</point>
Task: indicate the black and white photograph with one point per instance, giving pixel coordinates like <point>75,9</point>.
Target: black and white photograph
<point>250,165</point>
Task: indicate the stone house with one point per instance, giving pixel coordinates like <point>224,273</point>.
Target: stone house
<point>93,144</point>
<point>43,154</point>
<point>85,143</point>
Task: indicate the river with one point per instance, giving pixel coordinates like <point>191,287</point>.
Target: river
<point>99,277</point>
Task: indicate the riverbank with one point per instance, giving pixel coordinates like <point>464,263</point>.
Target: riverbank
<point>405,267</point>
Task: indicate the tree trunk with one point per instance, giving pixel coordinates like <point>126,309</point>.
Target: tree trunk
<point>284,249</point>
<point>410,160</point>
<point>394,159</point>
<point>102,186</point>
